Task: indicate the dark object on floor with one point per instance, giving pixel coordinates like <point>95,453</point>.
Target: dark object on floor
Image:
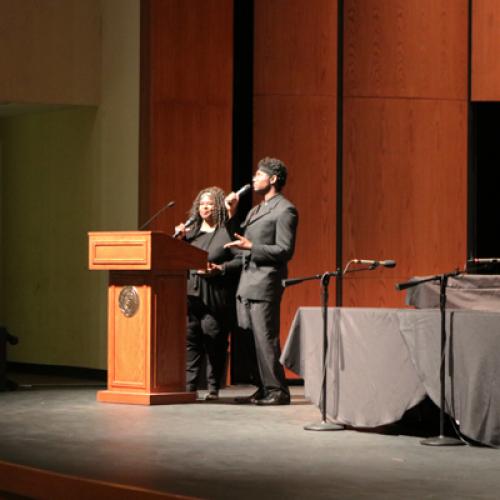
<point>420,421</point>
<point>5,337</point>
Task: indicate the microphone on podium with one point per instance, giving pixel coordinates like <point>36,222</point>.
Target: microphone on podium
<point>170,204</point>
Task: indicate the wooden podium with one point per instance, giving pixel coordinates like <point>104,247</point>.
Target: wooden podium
<point>147,311</point>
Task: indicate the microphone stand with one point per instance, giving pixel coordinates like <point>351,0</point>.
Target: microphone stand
<point>440,440</point>
<point>324,425</point>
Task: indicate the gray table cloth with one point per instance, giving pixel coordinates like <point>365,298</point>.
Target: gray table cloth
<point>467,291</point>
<point>381,362</point>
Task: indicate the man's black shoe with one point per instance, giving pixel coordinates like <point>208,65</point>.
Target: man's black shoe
<point>250,400</point>
<point>274,399</point>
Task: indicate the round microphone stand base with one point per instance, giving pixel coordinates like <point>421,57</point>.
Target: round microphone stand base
<point>323,426</point>
<point>442,441</point>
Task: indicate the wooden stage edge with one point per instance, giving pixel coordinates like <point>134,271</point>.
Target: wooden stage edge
<point>30,482</point>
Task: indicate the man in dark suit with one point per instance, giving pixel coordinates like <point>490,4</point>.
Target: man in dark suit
<point>267,244</point>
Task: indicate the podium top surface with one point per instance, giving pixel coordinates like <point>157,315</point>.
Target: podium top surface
<point>142,250</point>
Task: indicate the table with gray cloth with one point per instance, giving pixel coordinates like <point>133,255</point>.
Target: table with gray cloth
<point>467,291</point>
<point>381,362</point>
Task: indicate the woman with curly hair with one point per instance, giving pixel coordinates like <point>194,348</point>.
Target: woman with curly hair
<point>211,291</point>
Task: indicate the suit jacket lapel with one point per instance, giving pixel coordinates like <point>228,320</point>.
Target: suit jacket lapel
<point>250,215</point>
<point>260,210</point>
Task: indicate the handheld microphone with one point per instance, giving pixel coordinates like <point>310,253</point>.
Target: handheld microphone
<point>492,260</point>
<point>243,190</point>
<point>376,263</point>
<point>188,223</point>
<point>171,203</point>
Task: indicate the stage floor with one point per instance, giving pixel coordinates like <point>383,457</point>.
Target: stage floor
<point>225,451</point>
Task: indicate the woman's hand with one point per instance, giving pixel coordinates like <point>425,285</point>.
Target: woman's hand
<point>211,270</point>
<point>180,231</point>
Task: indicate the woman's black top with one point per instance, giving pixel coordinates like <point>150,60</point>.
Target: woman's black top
<point>216,292</point>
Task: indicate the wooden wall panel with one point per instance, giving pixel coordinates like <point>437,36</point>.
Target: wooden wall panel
<point>406,48</point>
<point>193,150</point>
<point>485,50</point>
<point>375,290</point>
<point>295,119</point>
<point>186,103</point>
<point>405,178</point>
<point>405,141</point>
<point>193,40</point>
<point>295,47</point>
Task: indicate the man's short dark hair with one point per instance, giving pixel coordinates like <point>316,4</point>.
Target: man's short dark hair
<point>273,166</point>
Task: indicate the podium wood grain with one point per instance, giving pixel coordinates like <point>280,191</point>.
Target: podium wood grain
<point>146,350</point>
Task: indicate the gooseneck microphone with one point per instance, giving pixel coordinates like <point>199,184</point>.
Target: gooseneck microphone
<point>170,204</point>
<point>375,263</point>
<point>188,223</point>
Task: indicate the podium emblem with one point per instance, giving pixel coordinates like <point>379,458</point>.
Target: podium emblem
<point>128,301</point>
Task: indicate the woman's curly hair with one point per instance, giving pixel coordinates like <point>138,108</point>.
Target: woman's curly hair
<point>220,213</point>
